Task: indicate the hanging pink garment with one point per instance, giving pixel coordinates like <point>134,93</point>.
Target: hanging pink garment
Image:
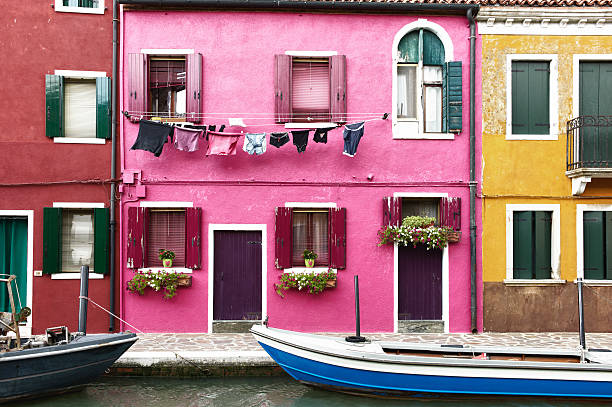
<point>222,143</point>
<point>186,139</point>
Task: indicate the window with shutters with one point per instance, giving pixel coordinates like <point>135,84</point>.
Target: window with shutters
<point>445,210</point>
<point>594,242</point>
<point>319,228</point>
<point>172,228</point>
<point>78,107</point>
<point>80,6</point>
<point>310,87</point>
<point>531,106</point>
<point>533,242</point>
<point>427,84</point>
<point>75,235</point>
<point>166,84</point>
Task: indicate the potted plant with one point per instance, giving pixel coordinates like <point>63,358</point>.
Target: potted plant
<point>166,256</point>
<point>309,258</point>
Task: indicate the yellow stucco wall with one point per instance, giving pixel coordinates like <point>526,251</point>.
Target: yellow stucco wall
<point>528,171</point>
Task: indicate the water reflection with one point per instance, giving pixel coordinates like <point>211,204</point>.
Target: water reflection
<point>249,392</point>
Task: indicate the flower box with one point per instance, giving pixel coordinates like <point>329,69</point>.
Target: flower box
<point>331,283</point>
<point>454,236</point>
<point>184,281</point>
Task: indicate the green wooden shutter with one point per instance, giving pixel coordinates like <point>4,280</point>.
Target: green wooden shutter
<point>539,74</point>
<point>52,240</point>
<point>608,247</point>
<point>54,106</point>
<point>453,97</point>
<point>103,107</point>
<point>101,238</point>
<point>593,229</point>
<point>445,98</point>
<point>522,245</point>
<point>543,229</point>
<point>520,97</point>
<point>408,48</point>
<point>433,50</point>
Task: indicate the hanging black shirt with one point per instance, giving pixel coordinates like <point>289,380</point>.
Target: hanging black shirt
<point>152,136</point>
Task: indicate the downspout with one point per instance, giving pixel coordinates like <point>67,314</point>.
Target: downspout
<point>473,183</point>
<point>111,324</point>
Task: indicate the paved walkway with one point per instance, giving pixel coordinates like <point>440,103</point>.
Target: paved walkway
<point>239,354</point>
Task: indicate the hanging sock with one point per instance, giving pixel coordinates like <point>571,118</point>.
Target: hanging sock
<point>254,143</point>
<point>222,143</point>
<point>186,139</point>
<point>352,135</point>
<point>279,139</point>
<point>320,135</point>
<point>152,136</point>
<point>300,139</point>
<point>236,122</point>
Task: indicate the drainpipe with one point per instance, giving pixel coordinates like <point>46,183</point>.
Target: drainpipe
<point>473,183</point>
<point>111,323</point>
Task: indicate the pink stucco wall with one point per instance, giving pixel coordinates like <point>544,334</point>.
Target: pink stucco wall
<point>238,50</point>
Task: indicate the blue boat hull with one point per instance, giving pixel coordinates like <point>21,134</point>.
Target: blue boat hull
<point>392,384</point>
<point>58,368</point>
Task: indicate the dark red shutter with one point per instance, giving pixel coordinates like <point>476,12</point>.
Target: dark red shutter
<point>135,237</point>
<point>194,88</point>
<point>283,230</point>
<point>193,238</point>
<point>337,88</point>
<point>137,85</point>
<point>392,211</point>
<point>282,88</point>
<point>450,212</point>
<point>337,238</point>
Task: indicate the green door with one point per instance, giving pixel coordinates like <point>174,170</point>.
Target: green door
<point>595,100</point>
<point>13,259</point>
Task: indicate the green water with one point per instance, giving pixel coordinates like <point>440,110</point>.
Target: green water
<point>247,392</point>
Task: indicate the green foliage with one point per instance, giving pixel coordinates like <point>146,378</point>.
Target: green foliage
<point>166,254</point>
<point>416,230</point>
<point>161,279</point>
<point>314,283</point>
<point>309,254</point>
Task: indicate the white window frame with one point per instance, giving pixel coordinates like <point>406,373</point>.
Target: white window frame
<point>59,6</point>
<point>580,210</point>
<point>445,267</point>
<point>409,128</point>
<point>77,205</point>
<point>167,204</point>
<point>26,329</point>
<point>211,263</point>
<point>553,96</point>
<point>555,243</point>
<point>70,74</point>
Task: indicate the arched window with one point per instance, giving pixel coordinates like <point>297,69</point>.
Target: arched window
<point>429,89</point>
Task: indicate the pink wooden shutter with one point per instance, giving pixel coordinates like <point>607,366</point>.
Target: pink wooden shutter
<point>135,237</point>
<point>337,238</point>
<point>392,211</point>
<point>450,212</point>
<point>337,88</point>
<point>283,231</point>
<point>194,88</point>
<point>282,88</point>
<point>137,85</point>
<point>193,237</point>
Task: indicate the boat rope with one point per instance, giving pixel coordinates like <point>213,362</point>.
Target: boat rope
<point>191,362</point>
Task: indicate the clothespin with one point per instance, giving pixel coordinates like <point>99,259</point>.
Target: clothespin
<point>385,115</point>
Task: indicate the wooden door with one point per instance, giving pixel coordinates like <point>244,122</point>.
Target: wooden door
<point>419,283</point>
<point>13,260</point>
<point>595,100</point>
<point>237,275</point>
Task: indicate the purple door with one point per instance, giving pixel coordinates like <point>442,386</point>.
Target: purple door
<point>237,275</point>
<point>420,283</point>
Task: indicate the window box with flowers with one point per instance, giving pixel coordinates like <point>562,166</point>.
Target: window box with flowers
<point>418,230</point>
<point>311,282</point>
<point>158,280</point>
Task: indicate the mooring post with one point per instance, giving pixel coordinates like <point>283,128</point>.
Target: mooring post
<point>581,314</point>
<point>83,299</point>
<point>357,337</point>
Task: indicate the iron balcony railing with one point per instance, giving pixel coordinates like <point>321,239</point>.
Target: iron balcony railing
<point>589,142</point>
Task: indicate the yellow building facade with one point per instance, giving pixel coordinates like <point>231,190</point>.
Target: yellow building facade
<point>546,195</point>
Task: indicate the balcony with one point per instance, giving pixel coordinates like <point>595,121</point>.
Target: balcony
<point>589,150</point>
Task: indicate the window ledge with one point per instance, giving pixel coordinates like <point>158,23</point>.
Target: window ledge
<point>316,125</point>
<point>169,269</point>
<point>79,140</point>
<point>425,136</point>
<point>304,270</point>
<point>526,282</point>
<point>596,283</point>
<point>75,276</point>
<point>541,137</point>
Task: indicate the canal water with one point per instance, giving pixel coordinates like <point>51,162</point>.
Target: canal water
<point>248,392</point>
